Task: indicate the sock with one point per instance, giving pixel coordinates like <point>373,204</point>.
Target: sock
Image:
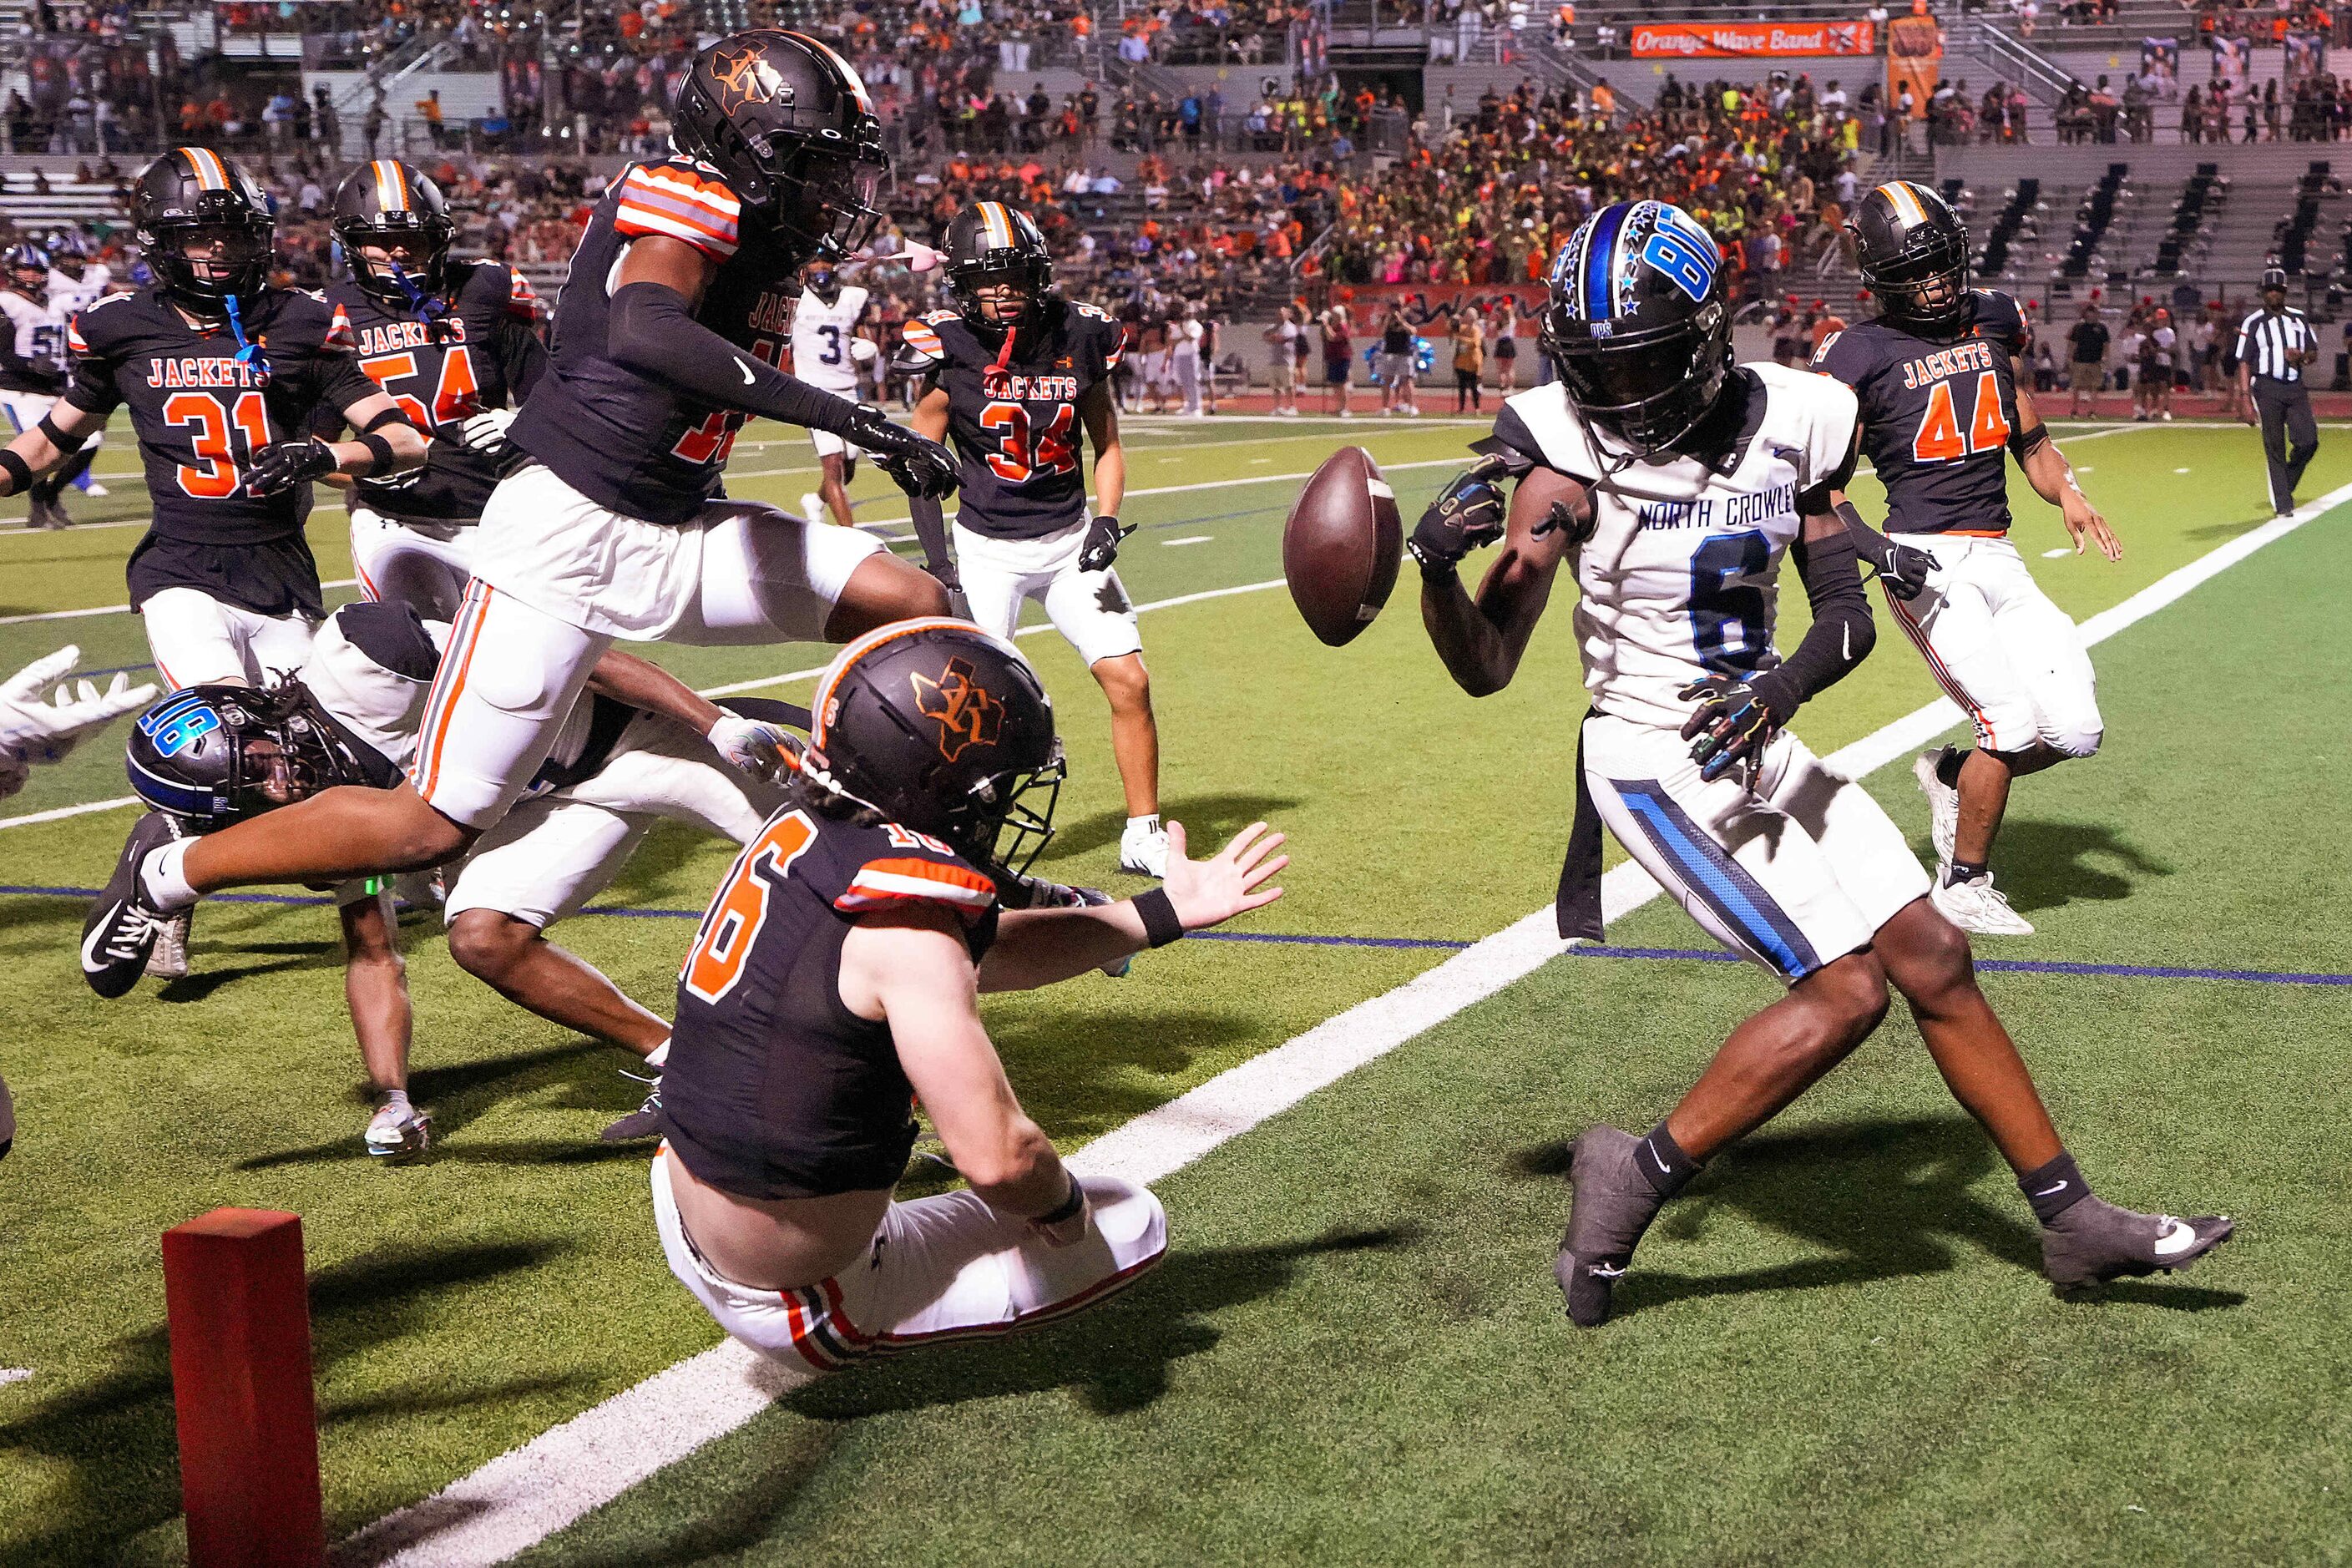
<point>1963,871</point>
<point>1664,1164</point>
<point>658,1057</point>
<point>161,880</point>
<point>1947,767</point>
<point>1149,823</point>
<point>2054,1188</point>
<point>393,1100</point>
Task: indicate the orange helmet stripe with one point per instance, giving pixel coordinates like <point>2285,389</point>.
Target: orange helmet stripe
<point>391,186</point>
<point>205,164</point>
<point>1905,200</point>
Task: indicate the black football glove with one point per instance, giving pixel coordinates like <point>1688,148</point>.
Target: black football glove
<point>1468,513</point>
<point>916,464</point>
<point>1905,570</point>
<point>1734,721</point>
<point>282,465</point>
<point>1101,548</point>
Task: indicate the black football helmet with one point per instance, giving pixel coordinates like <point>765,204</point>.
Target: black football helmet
<point>789,126</point>
<point>386,203</point>
<point>212,756</point>
<point>1636,327</point>
<point>194,196</point>
<point>990,243</point>
<point>27,267</point>
<point>1914,254</point>
<point>943,729</point>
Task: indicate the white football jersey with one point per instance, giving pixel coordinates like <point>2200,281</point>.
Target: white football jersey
<point>37,331</point>
<point>821,336</point>
<point>72,294</point>
<point>1680,579</point>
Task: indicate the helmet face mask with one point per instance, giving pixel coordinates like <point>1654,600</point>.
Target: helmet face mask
<point>29,270</point>
<point>998,266</point>
<point>1637,329</point>
<point>823,281</point>
<point>214,755</point>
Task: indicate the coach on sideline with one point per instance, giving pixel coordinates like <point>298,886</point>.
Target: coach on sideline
<point>2273,346</point>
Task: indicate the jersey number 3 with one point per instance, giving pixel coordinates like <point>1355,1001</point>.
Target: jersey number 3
<point>1939,439</point>
<point>723,945</point>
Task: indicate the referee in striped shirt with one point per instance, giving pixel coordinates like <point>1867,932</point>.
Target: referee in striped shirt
<point>2275,343</point>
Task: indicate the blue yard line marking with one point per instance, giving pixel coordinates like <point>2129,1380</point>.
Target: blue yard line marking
<point>1445,944</point>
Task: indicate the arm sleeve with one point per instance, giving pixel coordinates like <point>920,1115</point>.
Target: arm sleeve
<point>93,390</point>
<point>1843,632</point>
<point>930,527</point>
<point>653,333</point>
<point>524,359</point>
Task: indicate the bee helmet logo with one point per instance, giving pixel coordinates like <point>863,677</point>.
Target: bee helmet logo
<point>745,76</point>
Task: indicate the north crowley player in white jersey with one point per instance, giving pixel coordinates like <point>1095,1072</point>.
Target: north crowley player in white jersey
<point>826,354</point>
<point>1676,482</point>
<point>33,369</point>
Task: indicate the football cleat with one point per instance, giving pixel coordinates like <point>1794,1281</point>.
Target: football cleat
<point>1143,848</point>
<point>2092,1241</point>
<point>812,506</point>
<point>168,960</point>
<point>95,491</point>
<point>644,1121</point>
<point>123,926</point>
<point>1976,905</point>
<point>397,1134</point>
<point>1613,1204</point>
<point>1943,805</point>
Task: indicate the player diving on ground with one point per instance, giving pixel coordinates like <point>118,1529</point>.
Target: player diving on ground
<point>1671,483</point>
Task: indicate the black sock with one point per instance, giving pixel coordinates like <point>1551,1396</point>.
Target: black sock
<point>2054,1188</point>
<point>1947,767</point>
<point>1963,871</point>
<point>1664,1164</point>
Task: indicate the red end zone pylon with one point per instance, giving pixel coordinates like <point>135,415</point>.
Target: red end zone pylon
<point>240,1317</point>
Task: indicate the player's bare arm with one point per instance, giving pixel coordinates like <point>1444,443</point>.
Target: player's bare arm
<point>1040,947</point>
<point>357,459</point>
<point>47,445</point>
<point>747,743</point>
<point>2052,478</point>
<point>930,418</point>
<point>1099,413</point>
<point>1482,640</point>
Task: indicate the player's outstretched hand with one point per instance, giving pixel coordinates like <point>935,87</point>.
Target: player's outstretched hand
<point>2085,525</point>
<point>1468,514</point>
<point>1104,535</point>
<point>282,465</point>
<point>1210,892</point>
<point>34,729</point>
<point>1732,725</point>
<point>752,746</point>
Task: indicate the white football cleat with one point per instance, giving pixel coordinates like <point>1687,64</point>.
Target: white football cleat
<point>1977,905</point>
<point>168,959</point>
<point>1143,848</point>
<point>1943,805</point>
<point>399,1133</point>
<point>95,491</point>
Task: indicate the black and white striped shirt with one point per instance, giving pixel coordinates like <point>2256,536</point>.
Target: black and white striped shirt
<point>2264,340</point>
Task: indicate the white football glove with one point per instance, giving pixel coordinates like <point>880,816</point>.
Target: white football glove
<point>33,731</point>
<point>759,750</point>
<point>485,431</point>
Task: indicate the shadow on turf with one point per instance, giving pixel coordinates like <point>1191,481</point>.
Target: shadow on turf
<point>2045,865</point>
<point>1209,820</point>
<point>459,1094</point>
<point>117,1433</point>
<point>1888,1198</point>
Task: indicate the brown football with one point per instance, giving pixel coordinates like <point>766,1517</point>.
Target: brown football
<point>1341,545</point>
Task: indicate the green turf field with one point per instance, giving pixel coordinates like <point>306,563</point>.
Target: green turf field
<point>1834,1350</point>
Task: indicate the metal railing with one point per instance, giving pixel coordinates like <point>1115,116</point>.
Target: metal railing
<point>2015,60</point>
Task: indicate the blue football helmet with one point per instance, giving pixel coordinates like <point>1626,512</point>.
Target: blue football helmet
<point>1637,328</point>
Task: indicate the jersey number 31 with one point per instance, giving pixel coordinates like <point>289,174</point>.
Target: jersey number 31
<point>1939,439</point>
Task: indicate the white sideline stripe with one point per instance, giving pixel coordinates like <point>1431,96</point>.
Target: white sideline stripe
<point>84,809</point>
<point>528,1493</point>
<point>9,1374</point>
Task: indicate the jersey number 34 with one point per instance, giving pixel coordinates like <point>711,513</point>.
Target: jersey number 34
<point>1939,439</point>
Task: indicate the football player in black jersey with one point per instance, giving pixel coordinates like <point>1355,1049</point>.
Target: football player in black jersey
<point>836,976</point>
<point>1015,374</point>
<point>1940,376</point>
<point>616,525</point>
<point>456,344</point>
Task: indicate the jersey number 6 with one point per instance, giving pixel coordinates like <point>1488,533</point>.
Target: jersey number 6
<point>724,943</point>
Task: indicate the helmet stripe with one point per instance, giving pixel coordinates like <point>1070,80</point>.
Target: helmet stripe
<point>205,164</point>
<point>848,656</point>
<point>1601,262</point>
<point>993,224</point>
<point>848,71</point>
<point>391,186</point>
<point>1905,201</point>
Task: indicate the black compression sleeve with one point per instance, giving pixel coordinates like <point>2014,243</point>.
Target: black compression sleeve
<point>2025,443</point>
<point>931,528</point>
<point>651,331</point>
<point>1842,633</point>
<point>1868,543</point>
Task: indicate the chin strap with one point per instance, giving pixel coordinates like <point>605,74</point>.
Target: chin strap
<point>429,308</point>
<point>248,352</point>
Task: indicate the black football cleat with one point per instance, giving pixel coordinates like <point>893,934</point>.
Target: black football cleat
<point>2094,1241</point>
<point>123,926</point>
<point>644,1121</point>
<point>1613,1204</point>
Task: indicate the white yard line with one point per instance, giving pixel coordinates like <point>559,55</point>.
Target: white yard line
<point>84,809</point>
<point>1188,539</point>
<point>528,1493</point>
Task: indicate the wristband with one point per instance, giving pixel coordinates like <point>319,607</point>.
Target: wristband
<point>1067,1208</point>
<point>68,445</point>
<point>1158,912</point>
<point>19,472</point>
<point>381,456</point>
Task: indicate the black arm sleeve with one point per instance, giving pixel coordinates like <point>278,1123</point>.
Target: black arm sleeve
<point>930,527</point>
<point>525,359</point>
<point>652,332</point>
<point>1841,636</point>
<point>1869,544</point>
<point>93,390</point>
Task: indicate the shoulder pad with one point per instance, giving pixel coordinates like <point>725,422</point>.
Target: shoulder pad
<point>390,634</point>
<point>922,336</point>
<point>682,200</point>
<point>886,865</point>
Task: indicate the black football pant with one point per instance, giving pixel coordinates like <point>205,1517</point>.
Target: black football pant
<point>2290,436</point>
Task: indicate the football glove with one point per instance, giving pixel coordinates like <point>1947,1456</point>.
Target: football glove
<point>1905,571</point>
<point>751,747</point>
<point>282,465</point>
<point>1103,537</point>
<point>1468,514</point>
<point>944,573</point>
<point>487,431</point>
<point>916,464</point>
<point>34,729</point>
<point>1733,724</point>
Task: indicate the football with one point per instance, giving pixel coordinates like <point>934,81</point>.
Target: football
<point>1341,544</point>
